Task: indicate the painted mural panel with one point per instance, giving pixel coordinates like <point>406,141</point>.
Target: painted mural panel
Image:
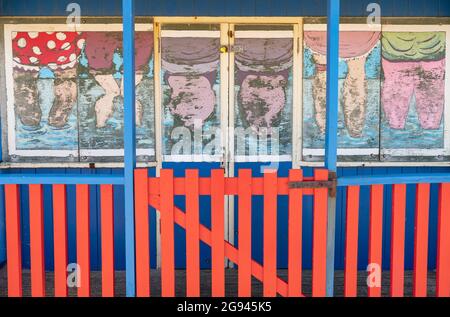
<point>413,93</point>
<point>191,96</point>
<point>65,92</point>
<point>44,72</point>
<point>359,91</point>
<point>101,94</point>
<point>263,97</point>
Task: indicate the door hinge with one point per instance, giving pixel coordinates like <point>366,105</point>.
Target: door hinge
<point>230,33</point>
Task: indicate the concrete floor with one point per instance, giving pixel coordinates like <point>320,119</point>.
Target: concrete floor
<point>205,280</point>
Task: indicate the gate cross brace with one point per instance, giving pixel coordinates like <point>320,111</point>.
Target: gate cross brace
<point>231,252</point>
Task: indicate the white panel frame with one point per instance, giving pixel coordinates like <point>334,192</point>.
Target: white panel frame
<point>10,113</point>
<point>412,152</point>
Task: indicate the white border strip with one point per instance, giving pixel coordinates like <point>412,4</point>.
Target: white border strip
<point>114,152</point>
<point>344,27</point>
<point>321,152</point>
<point>267,34</point>
<point>190,33</point>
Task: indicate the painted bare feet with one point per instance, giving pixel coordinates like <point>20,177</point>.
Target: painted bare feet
<point>355,96</point>
<point>26,98</point>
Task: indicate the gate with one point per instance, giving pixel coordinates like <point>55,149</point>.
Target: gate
<point>159,193</point>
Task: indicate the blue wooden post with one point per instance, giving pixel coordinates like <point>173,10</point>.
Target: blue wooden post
<point>129,142</point>
<point>331,127</point>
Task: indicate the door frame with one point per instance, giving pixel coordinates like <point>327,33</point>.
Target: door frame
<point>227,98</point>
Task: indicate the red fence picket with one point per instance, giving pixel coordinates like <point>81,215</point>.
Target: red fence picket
<point>245,233</point>
<point>375,239</point>
<point>13,241</point>
<point>37,241</point>
<point>421,240</point>
<point>351,242</point>
<point>142,231</point>
<point>60,239</point>
<point>218,226</point>
<point>107,234</point>
<point>295,236</point>
<point>398,240</point>
<point>83,248</point>
<point>192,235</point>
<point>167,234</point>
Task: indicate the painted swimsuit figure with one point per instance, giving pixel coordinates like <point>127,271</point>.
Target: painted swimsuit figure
<point>191,69</point>
<point>262,75</point>
<point>100,49</point>
<point>413,65</point>
<point>32,51</point>
<point>354,47</point>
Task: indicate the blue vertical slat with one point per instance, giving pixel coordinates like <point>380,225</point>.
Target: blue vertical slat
<point>333,12</point>
<point>129,141</point>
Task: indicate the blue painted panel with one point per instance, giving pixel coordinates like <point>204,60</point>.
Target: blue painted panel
<point>435,8</point>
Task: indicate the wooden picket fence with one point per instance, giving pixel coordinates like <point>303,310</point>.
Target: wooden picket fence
<point>159,192</point>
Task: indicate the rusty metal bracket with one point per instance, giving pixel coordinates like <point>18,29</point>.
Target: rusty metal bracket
<point>331,184</point>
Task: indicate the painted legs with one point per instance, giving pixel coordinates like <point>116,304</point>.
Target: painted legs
<point>104,107</point>
<point>354,94</point>
<point>423,79</point>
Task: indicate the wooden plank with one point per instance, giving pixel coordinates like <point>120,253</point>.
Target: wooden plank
<point>83,248</point>
<point>376,237</point>
<point>60,239</point>
<point>107,233</point>
<point>245,233</point>
<point>142,233</point>
<point>398,240</point>
<point>320,214</point>
<point>295,215</point>
<point>218,234</point>
<point>37,241</point>
<point>421,240</point>
<point>13,241</point>
<point>167,234</point>
<point>192,235</point>
<point>351,242</point>
<point>270,234</point>
<point>443,243</point>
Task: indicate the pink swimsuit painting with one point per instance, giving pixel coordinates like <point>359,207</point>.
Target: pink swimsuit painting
<point>262,73</point>
<point>58,51</point>
<point>100,50</point>
<point>413,66</point>
<point>354,48</point>
<point>191,66</point>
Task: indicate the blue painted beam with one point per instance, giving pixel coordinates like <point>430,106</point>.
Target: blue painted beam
<point>129,142</point>
<point>332,85</point>
<point>333,12</point>
<point>390,179</point>
<point>51,179</point>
